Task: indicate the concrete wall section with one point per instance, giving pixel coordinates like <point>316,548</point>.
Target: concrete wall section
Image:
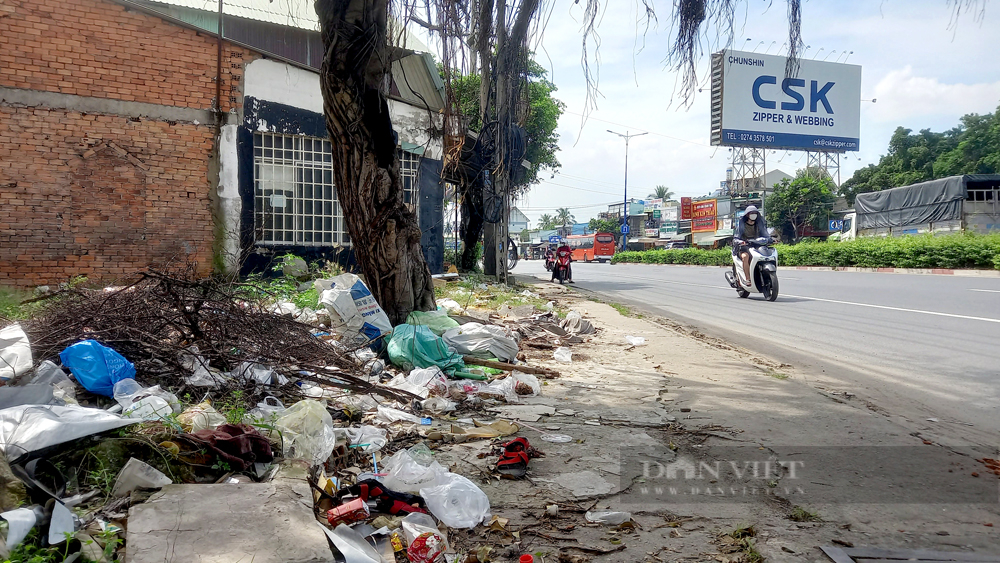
<point>285,84</point>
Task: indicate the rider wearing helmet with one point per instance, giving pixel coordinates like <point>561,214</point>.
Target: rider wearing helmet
<point>750,226</point>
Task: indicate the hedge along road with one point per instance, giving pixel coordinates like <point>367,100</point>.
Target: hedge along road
<point>917,346</point>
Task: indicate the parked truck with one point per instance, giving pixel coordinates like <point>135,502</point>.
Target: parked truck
<point>958,203</point>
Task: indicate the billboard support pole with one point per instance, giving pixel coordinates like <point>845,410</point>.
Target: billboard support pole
<point>626,136</point>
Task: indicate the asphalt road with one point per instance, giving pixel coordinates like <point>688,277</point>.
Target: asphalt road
<point>917,346</point>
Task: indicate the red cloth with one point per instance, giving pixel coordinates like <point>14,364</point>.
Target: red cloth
<point>238,445</point>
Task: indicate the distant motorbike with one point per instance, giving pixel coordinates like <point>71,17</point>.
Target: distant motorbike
<point>550,261</point>
<point>763,270</point>
<point>563,259</point>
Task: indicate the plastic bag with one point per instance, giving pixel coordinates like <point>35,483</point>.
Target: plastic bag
<point>137,474</point>
<point>350,300</point>
<point>200,417</point>
<point>482,340</point>
<point>500,389</point>
<point>63,388</point>
<point>251,371</point>
<point>367,438</point>
<point>526,385</point>
<point>96,366</point>
<point>15,352</point>
<point>386,414</point>
<point>400,382</point>
<point>563,354</point>
<point>201,374</point>
<point>635,340</point>
<point>431,378</point>
<point>437,405</point>
<point>575,323</point>
<point>267,410</point>
<point>425,543</point>
<point>28,428</point>
<point>147,404</point>
<point>352,545</point>
<point>307,431</point>
<point>405,474</point>
<point>456,501</point>
<point>437,321</point>
<point>451,306</point>
<point>417,347</point>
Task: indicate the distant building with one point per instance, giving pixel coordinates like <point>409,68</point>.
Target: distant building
<point>517,222</point>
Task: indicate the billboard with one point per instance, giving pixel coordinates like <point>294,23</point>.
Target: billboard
<point>754,104</point>
<point>685,208</point>
<point>703,216</point>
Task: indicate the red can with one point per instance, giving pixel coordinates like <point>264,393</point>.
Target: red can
<point>348,513</point>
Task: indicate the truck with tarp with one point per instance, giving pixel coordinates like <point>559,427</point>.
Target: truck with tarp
<point>970,202</point>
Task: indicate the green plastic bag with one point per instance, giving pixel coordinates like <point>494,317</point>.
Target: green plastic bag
<point>415,346</point>
<point>437,321</point>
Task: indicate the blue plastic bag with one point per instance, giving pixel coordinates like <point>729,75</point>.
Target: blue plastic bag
<point>96,366</point>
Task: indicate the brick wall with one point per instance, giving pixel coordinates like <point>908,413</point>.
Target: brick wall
<point>103,194</point>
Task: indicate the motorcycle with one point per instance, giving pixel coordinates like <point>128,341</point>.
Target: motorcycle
<point>563,258</point>
<point>763,269</point>
<point>550,261</point>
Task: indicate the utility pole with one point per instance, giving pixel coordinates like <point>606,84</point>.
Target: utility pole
<point>626,136</point>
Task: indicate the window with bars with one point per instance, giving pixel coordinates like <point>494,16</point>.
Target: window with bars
<point>409,164</point>
<point>295,201</point>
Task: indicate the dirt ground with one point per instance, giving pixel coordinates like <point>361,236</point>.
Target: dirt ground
<point>686,396</point>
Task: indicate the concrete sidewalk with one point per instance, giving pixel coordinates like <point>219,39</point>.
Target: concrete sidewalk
<point>686,396</point>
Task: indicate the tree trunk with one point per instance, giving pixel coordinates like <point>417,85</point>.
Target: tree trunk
<point>385,234</point>
<point>472,226</point>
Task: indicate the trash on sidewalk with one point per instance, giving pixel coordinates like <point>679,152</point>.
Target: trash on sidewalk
<point>451,306</point>
<point>457,501</point>
<point>361,317</point>
<point>239,446</point>
<point>137,474</point>
<point>425,543</point>
<point>202,416</point>
<point>348,513</point>
<point>413,347</point>
<point>352,545</point>
<point>306,428</point>
<point>28,428</point>
<point>406,474</point>
<point>96,366</point>
<point>635,340</point>
<point>563,355</point>
<point>15,352</point>
<point>390,415</point>
<point>368,438</point>
<point>607,517</point>
<point>476,339</point>
<point>437,321</point>
<point>480,431</point>
<point>575,323</point>
<point>147,404</point>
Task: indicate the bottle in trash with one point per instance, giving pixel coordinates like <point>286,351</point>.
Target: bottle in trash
<point>526,558</point>
<point>608,517</point>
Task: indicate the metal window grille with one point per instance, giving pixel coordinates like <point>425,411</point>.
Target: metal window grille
<point>409,164</point>
<point>295,201</point>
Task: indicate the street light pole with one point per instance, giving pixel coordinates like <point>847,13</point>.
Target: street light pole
<point>626,136</point>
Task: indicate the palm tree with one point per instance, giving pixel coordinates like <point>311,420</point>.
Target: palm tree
<point>662,192</point>
<point>545,222</point>
<point>564,217</point>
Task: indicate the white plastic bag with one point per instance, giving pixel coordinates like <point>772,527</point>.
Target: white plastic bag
<point>401,382</point>
<point>431,378</point>
<point>635,340</point>
<point>15,352</point>
<point>267,410</point>
<point>451,306</point>
<point>27,428</point>
<point>137,474</point>
<point>368,439</point>
<point>202,416</point>
<point>456,501</point>
<point>360,314</point>
<point>406,475</point>
<point>251,371</point>
<point>307,431</point>
<point>500,389</point>
<point>386,414</point>
<point>563,354</point>
<point>481,340</point>
<point>148,404</point>
<point>437,405</point>
<point>525,381</point>
<point>201,374</point>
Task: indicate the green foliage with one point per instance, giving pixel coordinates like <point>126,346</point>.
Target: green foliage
<point>540,123</point>
<point>286,288</point>
<point>697,256</point>
<point>973,147</point>
<point>30,550</point>
<point>661,192</point>
<point>564,218</point>
<point>806,200</point>
<point>606,226</point>
<point>546,222</point>
<point>233,407</point>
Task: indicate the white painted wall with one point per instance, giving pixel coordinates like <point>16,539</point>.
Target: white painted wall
<point>283,83</point>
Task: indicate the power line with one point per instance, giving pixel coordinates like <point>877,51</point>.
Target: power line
<point>567,207</point>
<point>589,117</point>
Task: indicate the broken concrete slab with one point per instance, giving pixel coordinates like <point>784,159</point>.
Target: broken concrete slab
<point>526,413</point>
<point>228,523</point>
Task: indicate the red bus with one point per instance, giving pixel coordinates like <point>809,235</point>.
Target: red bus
<point>587,248</point>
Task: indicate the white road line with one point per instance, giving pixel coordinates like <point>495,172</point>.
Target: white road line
<point>987,290</point>
<point>935,313</point>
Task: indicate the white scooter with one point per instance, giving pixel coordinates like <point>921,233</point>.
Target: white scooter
<point>763,269</point>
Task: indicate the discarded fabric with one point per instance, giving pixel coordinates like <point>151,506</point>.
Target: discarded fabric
<point>96,366</point>
<point>238,445</point>
<point>576,324</point>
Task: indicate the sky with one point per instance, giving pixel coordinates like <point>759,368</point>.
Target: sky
<point>921,70</point>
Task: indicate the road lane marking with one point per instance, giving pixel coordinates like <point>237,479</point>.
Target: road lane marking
<point>935,313</point>
<point>987,290</point>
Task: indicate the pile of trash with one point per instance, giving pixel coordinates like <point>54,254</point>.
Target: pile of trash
<point>111,395</point>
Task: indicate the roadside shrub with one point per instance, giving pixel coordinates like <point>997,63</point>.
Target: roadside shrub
<point>954,251</point>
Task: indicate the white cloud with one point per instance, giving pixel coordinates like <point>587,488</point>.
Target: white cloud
<point>902,96</point>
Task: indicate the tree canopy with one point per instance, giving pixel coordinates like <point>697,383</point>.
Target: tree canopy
<point>546,222</point>
<point>972,147</point>
<point>661,192</point>
<point>564,218</point>
<point>606,226</point>
<point>806,200</point>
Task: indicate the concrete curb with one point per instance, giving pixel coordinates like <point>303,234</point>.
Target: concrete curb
<point>912,271</point>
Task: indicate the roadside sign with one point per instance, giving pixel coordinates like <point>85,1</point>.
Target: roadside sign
<point>625,229</point>
<point>836,224</point>
<point>656,214</point>
<point>553,239</point>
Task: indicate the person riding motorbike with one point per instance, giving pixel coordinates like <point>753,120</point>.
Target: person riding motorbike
<point>550,258</point>
<point>569,267</point>
<point>750,226</point>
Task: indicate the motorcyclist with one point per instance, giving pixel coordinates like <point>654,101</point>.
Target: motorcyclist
<point>569,267</point>
<point>750,226</point>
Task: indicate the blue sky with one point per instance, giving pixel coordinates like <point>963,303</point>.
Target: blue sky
<point>923,72</point>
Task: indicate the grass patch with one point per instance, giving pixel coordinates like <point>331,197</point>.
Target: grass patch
<point>800,514</point>
<point>776,374</point>
<point>742,540</point>
<point>476,292</point>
